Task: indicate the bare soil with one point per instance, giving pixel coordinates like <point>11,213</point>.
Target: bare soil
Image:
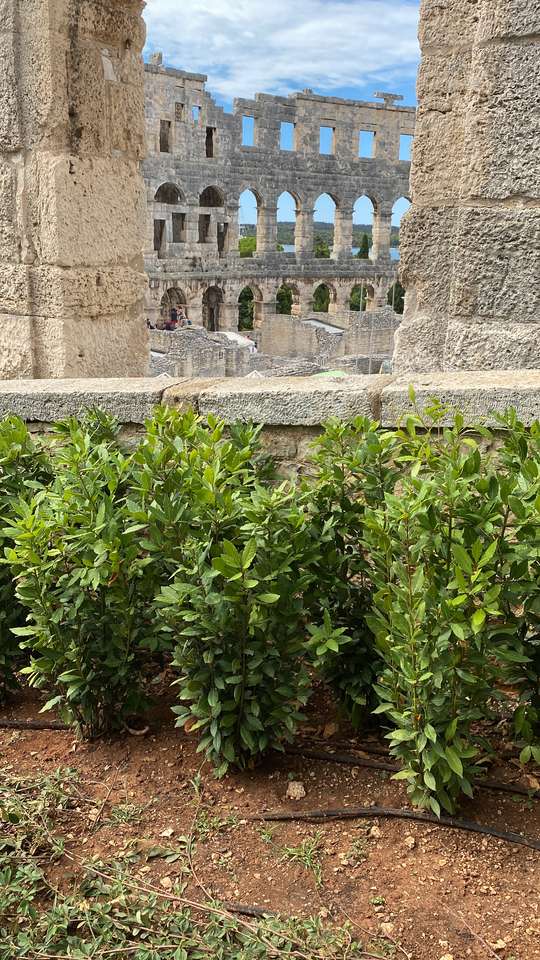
<point>415,890</point>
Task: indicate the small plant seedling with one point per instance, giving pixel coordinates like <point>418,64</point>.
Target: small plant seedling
<point>266,834</point>
<point>378,901</point>
<point>125,813</point>
<point>308,854</point>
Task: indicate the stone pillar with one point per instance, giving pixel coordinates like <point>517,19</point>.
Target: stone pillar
<point>382,232</point>
<point>343,233</point>
<point>266,231</point>
<point>234,231</point>
<point>304,233</point>
<point>228,316</point>
<point>470,256</point>
<point>72,201</point>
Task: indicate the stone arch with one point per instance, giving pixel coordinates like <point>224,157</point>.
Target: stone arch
<point>324,211</point>
<point>323,295</point>
<point>249,307</point>
<point>288,299</point>
<point>399,209</point>
<point>288,204</point>
<point>249,206</point>
<point>169,193</point>
<point>173,299</point>
<point>396,297</point>
<point>212,303</point>
<point>365,210</point>
<point>211,197</point>
<point>359,296</point>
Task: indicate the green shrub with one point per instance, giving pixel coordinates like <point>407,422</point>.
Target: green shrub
<point>87,583</point>
<point>23,469</point>
<point>445,568</point>
<point>237,611</point>
<point>354,465</point>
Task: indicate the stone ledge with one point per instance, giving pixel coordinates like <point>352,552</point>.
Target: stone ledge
<point>293,401</point>
<point>476,393</point>
<point>131,400</point>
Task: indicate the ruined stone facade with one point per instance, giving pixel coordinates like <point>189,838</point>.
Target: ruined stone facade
<point>197,167</point>
<point>470,245</point>
<point>71,196</point>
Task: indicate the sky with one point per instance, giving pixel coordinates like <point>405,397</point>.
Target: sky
<point>344,48</point>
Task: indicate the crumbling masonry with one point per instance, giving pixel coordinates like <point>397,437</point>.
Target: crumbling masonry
<point>71,196</point>
<point>197,167</point>
<point>470,245</point>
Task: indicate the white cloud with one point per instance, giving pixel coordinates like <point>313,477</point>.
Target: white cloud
<point>279,46</point>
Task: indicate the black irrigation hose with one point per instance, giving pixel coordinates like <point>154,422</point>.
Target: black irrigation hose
<point>350,759</point>
<point>33,725</point>
<point>356,813</point>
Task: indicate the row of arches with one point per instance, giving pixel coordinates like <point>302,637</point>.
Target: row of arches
<point>287,301</point>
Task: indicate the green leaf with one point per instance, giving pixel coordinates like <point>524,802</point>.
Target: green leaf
<point>454,761</point>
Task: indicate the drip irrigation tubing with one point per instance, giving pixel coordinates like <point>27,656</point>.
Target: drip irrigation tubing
<point>33,725</point>
<point>350,759</point>
<point>372,813</point>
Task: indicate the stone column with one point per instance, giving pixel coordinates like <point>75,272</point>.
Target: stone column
<point>266,231</point>
<point>72,201</point>
<point>304,233</point>
<point>470,256</point>
<point>382,232</point>
<point>234,231</point>
<point>343,233</point>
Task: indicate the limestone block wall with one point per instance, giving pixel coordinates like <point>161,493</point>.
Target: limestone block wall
<point>470,245</point>
<point>71,197</point>
<point>197,167</point>
<point>291,411</point>
<point>370,333</point>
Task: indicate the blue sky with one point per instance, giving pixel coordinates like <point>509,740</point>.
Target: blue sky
<point>346,48</point>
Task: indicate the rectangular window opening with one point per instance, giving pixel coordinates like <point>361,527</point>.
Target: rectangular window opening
<point>287,136</point>
<point>179,227</point>
<point>196,115</point>
<point>222,238</point>
<point>210,141</point>
<point>327,140</point>
<point>405,146</point>
<point>159,236</point>
<point>179,112</point>
<point>366,144</point>
<point>248,131</point>
<point>164,136</point>
<point>204,227</point>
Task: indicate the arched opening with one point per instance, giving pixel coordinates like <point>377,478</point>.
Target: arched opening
<point>396,297</point>
<point>168,193</point>
<point>287,210</point>
<point>248,217</point>
<point>321,298</point>
<point>358,299</point>
<point>288,299</point>
<point>398,211</point>
<point>248,308</point>
<point>212,300</point>
<point>324,220</point>
<point>211,197</point>
<point>363,217</point>
<point>173,309</point>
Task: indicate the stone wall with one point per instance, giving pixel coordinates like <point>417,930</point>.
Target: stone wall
<point>194,184</point>
<point>470,245</point>
<point>291,411</point>
<point>71,196</point>
<point>370,333</point>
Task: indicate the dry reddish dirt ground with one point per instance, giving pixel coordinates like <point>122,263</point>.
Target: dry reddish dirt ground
<point>411,889</point>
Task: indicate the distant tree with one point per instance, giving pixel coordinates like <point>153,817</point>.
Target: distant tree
<point>321,248</point>
<point>245,310</point>
<point>396,297</point>
<point>284,299</point>
<point>363,251</point>
<point>247,246</point>
<point>321,299</point>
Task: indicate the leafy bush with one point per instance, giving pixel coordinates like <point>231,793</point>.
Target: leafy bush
<point>87,584</point>
<point>23,469</point>
<point>354,465</point>
<point>445,569</point>
<point>237,611</point>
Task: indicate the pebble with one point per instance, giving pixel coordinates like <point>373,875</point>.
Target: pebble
<point>410,843</point>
